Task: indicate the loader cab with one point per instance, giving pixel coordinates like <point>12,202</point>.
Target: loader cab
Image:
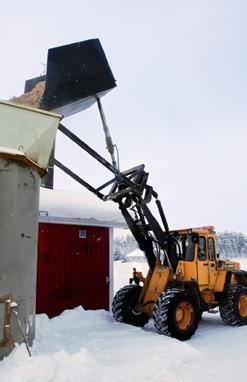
<point>196,250</point>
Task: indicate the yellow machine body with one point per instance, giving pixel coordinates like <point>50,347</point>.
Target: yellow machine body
<point>204,268</point>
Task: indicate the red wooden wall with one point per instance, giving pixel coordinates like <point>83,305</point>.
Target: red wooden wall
<point>73,263</point>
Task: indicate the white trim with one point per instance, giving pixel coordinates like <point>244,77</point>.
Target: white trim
<point>111,266</point>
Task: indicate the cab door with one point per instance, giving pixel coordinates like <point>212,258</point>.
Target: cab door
<point>202,263</point>
<point>212,261</point>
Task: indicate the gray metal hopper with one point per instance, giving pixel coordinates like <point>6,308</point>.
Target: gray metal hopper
<point>26,139</point>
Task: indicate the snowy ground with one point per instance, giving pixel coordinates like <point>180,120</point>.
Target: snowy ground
<point>89,346</point>
<point>123,272</point>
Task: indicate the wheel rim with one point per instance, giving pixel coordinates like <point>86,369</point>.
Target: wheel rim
<point>136,312</point>
<point>242,305</point>
<point>184,315</point>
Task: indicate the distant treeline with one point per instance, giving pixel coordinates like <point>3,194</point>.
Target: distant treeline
<point>230,244</point>
<point>123,246</point>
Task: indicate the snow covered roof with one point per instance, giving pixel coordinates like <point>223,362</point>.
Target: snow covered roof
<point>78,207</point>
<point>136,253</point>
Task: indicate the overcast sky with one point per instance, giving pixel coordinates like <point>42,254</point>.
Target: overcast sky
<point>180,103</point>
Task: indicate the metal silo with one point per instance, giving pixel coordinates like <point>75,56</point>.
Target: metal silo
<point>26,140</point>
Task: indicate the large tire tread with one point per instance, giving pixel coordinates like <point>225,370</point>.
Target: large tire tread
<point>123,306</point>
<point>229,311</point>
<point>164,314</point>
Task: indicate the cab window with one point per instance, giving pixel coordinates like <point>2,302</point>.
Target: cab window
<point>189,249</point>
<point>202,254</point>
<point>185,247</point>
<point>211,249</point>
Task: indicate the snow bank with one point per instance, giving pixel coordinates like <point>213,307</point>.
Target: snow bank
<point>89,346</point>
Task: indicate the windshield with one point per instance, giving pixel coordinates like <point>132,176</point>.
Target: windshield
<point>185,248</point>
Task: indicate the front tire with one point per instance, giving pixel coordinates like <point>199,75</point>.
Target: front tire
<point>123,306</point>
<point>234,311</point>
<point>175,314</point>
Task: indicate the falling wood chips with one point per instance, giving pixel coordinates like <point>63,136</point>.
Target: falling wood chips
<point>32,98</point>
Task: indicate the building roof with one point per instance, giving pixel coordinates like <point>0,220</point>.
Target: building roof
<point>136,253</point>
<point>78,207</point>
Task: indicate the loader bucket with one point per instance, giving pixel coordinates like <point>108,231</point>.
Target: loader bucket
<point>77,74</point>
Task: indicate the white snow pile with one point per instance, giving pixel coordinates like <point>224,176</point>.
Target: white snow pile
<point>90,346</point>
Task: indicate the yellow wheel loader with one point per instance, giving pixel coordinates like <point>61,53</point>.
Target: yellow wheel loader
<point>176,296</point>
<point>186,276</point>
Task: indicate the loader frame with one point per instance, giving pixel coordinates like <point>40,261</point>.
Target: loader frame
<point>129,189</point>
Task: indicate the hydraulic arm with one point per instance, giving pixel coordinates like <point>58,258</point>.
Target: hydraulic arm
<point>129,189</point>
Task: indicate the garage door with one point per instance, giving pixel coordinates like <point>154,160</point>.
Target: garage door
<point>73,268</point>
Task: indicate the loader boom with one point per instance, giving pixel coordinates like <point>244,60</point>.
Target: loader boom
<point>129,189</point>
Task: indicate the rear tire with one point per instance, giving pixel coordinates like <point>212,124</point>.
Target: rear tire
<point>234,311</point>
<point>124,303</point>
<point>175,314</point>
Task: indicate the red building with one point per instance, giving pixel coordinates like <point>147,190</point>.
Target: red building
<point>75,251</point>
